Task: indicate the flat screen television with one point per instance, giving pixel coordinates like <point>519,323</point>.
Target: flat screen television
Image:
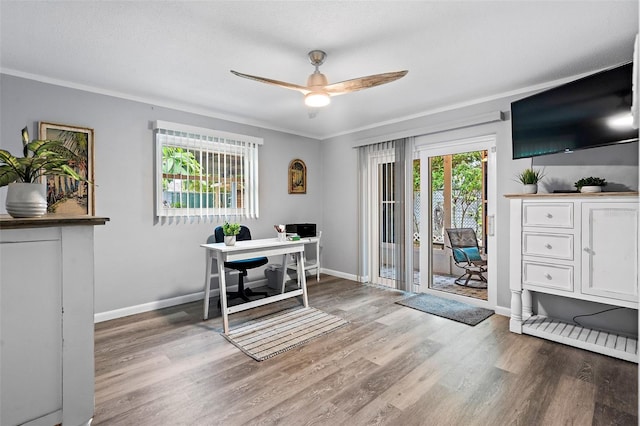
<point>585,113</point>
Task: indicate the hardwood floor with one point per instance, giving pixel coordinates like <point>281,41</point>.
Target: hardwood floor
<point>391,365</point>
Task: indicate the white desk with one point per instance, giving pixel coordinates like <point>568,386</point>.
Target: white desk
<point>246,250</point>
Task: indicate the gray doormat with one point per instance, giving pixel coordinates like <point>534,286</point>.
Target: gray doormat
<point>446,308</point>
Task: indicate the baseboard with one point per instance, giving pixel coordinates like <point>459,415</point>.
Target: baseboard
<point>339,274</point>
<point>150,306</point>
<point>501,310</point>
<point>166,303</point>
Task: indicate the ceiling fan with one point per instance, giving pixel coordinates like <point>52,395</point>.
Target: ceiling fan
<point>318,91</point>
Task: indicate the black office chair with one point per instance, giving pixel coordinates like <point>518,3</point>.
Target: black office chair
<point>240,265</point>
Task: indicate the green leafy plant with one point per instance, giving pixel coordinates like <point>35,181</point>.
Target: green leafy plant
<point>530,176</point>
<point>40,158</point>
<point>178,163</point>
<point>590,181</point>
<point>231,228</point>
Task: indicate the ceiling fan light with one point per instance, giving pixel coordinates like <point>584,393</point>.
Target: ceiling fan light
<point>317,99</point>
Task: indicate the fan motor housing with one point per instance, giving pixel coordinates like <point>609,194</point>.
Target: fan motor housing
<point>317,79</point>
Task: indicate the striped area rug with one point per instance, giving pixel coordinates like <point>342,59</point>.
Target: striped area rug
<point>277,333</point>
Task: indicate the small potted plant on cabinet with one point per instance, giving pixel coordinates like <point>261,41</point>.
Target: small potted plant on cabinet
<point>26,195</point>
<point>230,230</point>
<point>529,178</point>
<point>590,184</point>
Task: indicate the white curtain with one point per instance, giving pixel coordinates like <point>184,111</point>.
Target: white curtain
<point>386,201</point>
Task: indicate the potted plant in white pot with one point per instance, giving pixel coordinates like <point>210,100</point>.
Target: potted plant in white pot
<point>529,178</point>
<point>230,230</point>
<point>26,194</point>
<point>590,184</point>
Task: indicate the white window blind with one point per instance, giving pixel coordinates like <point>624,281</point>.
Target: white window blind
<point>385,210</point>
<point>204,173</point>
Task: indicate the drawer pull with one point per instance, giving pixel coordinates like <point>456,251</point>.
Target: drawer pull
<point>547,276</point>
<point>548,246</point>
<point>549,215</point>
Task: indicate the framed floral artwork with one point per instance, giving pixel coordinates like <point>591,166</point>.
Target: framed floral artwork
<point>65,195</point>
<point>297,177</point>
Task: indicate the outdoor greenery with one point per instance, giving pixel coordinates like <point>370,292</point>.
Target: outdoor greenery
<point>590,181</point>
<point>466,182</point>
<point>230,228</point>
<point>178,161</point>
<point>530,176</point>
<point>186,182</point>
<point>40,158</point>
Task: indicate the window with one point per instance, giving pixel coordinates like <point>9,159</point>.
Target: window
<point>205,173</point>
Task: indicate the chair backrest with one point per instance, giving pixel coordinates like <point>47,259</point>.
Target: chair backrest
<point>244,234</point>
<point>463,240</point>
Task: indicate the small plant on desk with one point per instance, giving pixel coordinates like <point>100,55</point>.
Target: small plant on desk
<point>231,228</point>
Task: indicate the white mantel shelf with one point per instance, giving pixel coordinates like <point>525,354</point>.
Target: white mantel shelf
<point>573,195</point>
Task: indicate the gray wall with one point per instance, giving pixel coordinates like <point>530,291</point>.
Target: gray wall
<point>136,260</point>
<point>617,164</point>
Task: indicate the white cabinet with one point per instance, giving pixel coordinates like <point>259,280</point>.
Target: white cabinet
<point>578,246</point>
<point>46,321</point>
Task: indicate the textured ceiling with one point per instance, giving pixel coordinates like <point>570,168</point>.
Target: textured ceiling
<point>179,54</point>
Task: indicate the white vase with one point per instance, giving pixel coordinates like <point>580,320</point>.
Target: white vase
<point>26,199</point>
<point>230,240</point>
<point>531,188</point>
<point>591,189</point>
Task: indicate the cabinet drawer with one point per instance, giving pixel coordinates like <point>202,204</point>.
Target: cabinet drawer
<point>556,246</point>
<point>550,215</point>
<point>559,277</point>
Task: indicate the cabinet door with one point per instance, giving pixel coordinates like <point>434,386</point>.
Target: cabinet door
<point>31,330</point>
<point>610,250</point>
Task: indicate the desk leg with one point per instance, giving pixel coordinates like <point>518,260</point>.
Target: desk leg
<point>303,279</point>
<point>223,294</point>
<point>207,283</point>
<point>284,271</point>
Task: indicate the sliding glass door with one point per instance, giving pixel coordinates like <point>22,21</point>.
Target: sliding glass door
<point>455,183</point>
